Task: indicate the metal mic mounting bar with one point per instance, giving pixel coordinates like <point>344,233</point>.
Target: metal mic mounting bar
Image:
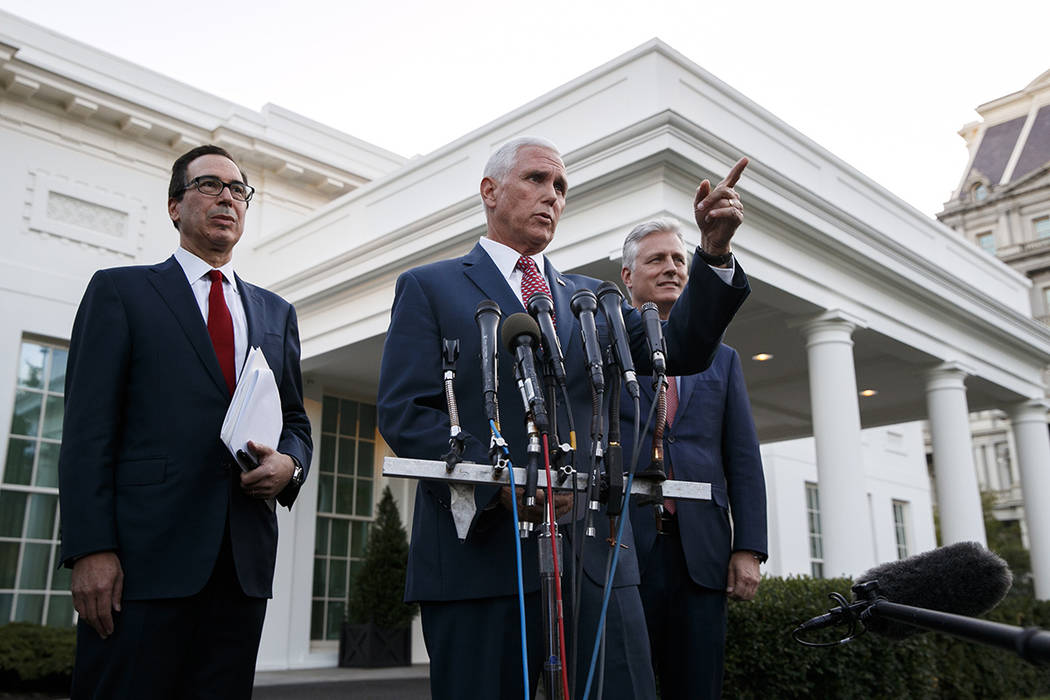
<point>471,473</point>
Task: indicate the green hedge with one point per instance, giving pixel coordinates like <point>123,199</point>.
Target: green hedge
<point>36,658</point>
<point>763,661</point>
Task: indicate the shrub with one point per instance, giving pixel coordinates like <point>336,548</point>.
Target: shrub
<point>377,594</point>
<point>33,657</point>
<point>763,661</point>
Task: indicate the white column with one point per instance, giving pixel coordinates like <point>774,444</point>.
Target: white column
<point>1033,455</point>
<point>958,496</point>
<point>845,522</point>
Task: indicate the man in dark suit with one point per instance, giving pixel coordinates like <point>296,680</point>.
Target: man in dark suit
<point>173,547</point>
<point>467,589</point>
<point>691,554</point>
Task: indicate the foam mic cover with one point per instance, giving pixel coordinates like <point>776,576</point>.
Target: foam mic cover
<point>963,578</point>
<point>516,325</point>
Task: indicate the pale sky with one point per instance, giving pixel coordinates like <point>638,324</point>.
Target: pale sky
<point>885,86</point>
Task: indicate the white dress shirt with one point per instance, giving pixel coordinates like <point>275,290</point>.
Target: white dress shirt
<point>196,271</point>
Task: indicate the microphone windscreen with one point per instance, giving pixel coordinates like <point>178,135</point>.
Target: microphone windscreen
<point>487,306</point>
<point>963,578</point>
<point>519,324</point>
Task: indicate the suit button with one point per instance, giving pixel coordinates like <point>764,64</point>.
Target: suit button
<point>670,438</point>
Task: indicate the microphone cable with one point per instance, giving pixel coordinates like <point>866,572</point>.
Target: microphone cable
<point>517,561</point>
<point>557,572</point>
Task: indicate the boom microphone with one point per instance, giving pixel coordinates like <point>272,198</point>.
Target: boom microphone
<point>541,308</point>
<point>654,335</point>
<point>584,306</point>
<point>521,335</point>
<point>610,298</point>
<point>487,317</point>
<point>961,579</point>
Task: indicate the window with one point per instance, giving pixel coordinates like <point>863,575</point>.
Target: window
<point>816,539</point>
<point>986,241</point>
<point>31,588</point>
<point>1002,466</point>
<point>1042,227</point>
<point>980,192</point>
<point>900,528</point>
<point>345,500</point>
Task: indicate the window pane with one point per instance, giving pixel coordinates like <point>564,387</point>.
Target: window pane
<point>1042,227</point>
<point>336,612</point>
<point>8,566</point>
<point>58,370</point>
<point>12,513</point>
<point>29,608</point>
<point>366,459</point>
<point>346,457</point>
<point>47,464</point>
<point>34,567</point>
<point>60,611</point>
<point>329,415</point>
<point>347,417</point>
<point>337,578</point>
<point>319,577</point>
<point>324,493</point>
<point>53,411</point>
<point>60,578</point>
<point>26,418</point>
<point>41,523</point>
<point>355,568</point>
<point>31,365</point>
<point>317,620</point>
<point>321,537</point>
<point>367,428</point>
<point>344,495</point>
<point>364,497</point>
<point>340,537</point>
<point>327,453</point>
<point>6,601</point>
<point>19,466</point>
<point>360,539</point>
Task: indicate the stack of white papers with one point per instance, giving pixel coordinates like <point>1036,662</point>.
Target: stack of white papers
<point>255,411</point>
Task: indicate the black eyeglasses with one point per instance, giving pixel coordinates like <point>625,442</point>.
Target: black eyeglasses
<point>213,187</point>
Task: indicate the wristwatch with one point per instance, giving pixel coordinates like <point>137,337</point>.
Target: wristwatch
<point>297,473</point>
<point>716,260</point>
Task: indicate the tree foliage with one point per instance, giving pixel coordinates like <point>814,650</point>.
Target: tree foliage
<point>377,593</point>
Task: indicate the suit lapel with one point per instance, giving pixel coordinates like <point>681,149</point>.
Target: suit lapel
<point>685,393</point>
<point>479,268</point>
<point>253,314</point>
<point>562,291</point>
<point>170,282</point>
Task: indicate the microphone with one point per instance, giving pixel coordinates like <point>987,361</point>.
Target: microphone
<point>541,308</point>
<point>520,336</point>
<point>487,316</point>
<point>961,579</point>
<point>654,335</point>
<point>610,298</point>
<point>584,305</point>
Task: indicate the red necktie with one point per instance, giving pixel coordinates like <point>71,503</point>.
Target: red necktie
<point>672,407</point>
<point>531,279</point>
<point>220,328</point>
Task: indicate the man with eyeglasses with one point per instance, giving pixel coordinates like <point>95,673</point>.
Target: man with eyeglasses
<point>172,545</point>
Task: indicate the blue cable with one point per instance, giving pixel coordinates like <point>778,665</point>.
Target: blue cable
<point>517,551</point>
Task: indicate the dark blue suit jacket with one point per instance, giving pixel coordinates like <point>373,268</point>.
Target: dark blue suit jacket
<point>142,469</point>
<point>438,301</point>
<point>712,440</point>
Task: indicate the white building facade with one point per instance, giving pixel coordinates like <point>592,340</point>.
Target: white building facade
<point>853,290</point>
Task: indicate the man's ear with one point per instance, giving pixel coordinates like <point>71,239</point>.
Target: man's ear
<point>625,275</point>
<point>173,210</point>
<point>488,191</point>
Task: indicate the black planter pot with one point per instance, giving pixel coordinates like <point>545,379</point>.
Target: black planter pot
<point>372,646</point>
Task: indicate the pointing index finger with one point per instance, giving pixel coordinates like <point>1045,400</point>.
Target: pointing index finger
<point>734,175</point>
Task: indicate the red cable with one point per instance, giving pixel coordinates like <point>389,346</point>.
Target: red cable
<point>557,574</point>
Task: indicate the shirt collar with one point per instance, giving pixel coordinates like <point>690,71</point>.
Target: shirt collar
<point>195,268</point>
<point>506,258</point>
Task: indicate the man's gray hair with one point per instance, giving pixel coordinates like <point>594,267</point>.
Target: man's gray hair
<point>502,161</point>
<point>630,244</point>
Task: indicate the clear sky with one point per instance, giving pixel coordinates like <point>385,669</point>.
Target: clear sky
<point>885,86</point>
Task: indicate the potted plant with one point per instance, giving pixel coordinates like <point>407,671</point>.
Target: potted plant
<point>378,630</point>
